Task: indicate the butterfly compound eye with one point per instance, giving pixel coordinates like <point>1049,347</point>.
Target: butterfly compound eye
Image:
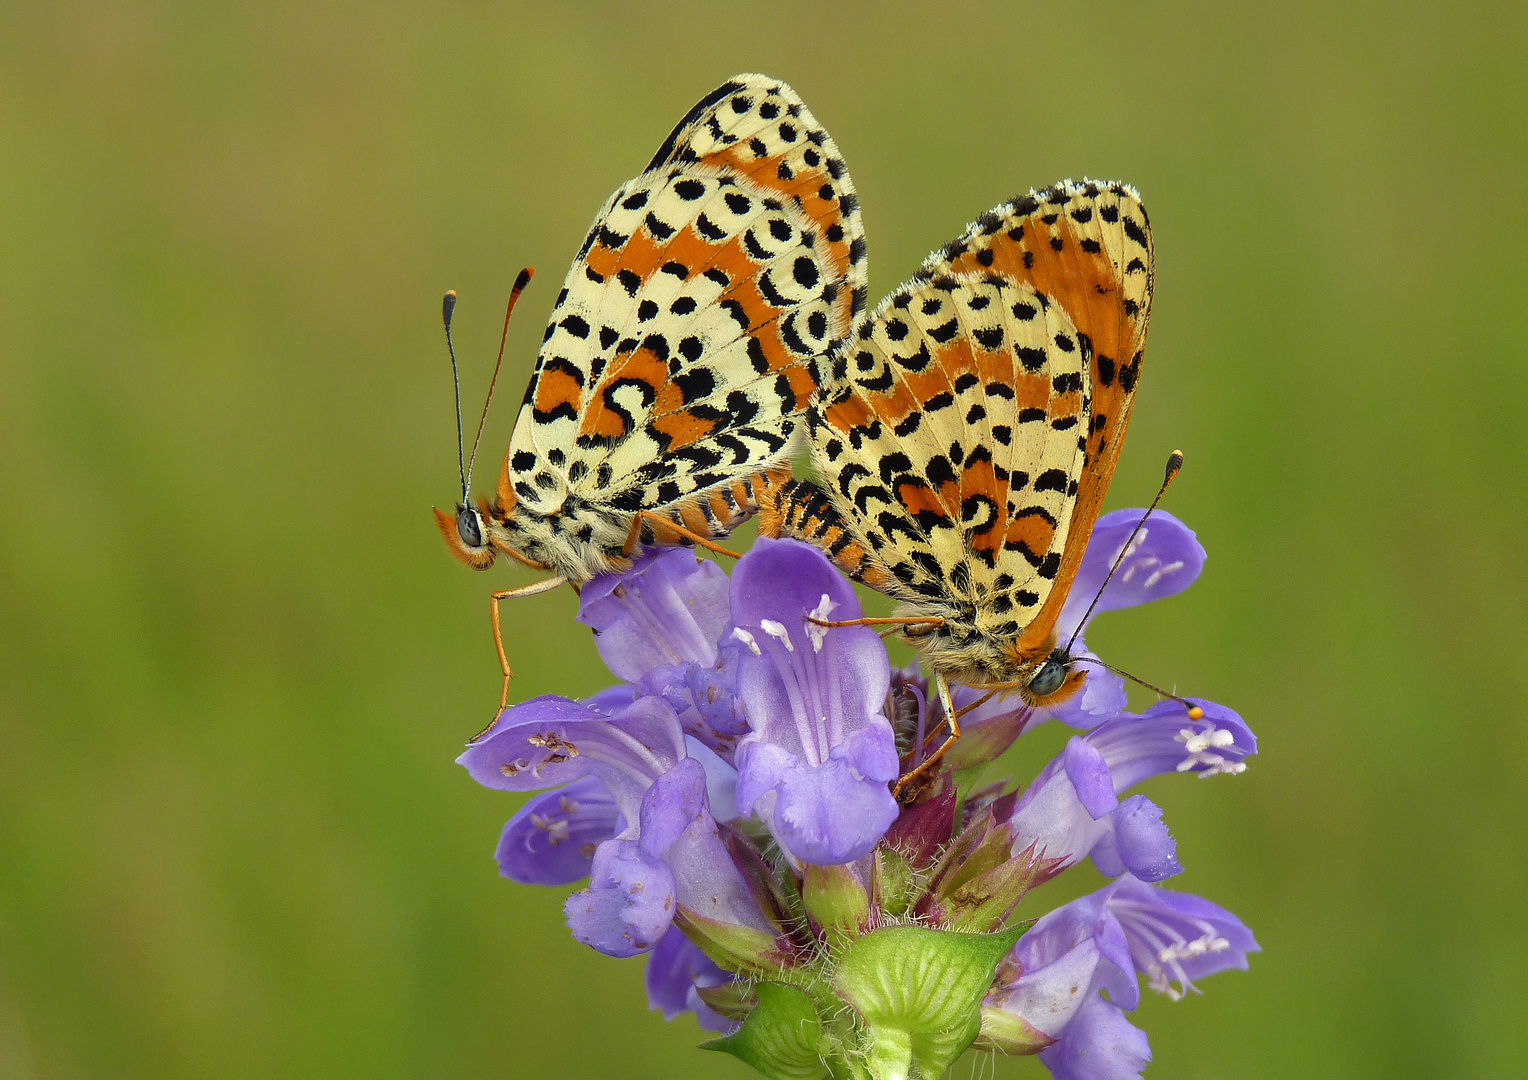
<point>1051,675</point>
<point>468,528</point>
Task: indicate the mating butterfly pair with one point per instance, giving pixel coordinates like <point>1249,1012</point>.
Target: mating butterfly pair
<point>966,431</point>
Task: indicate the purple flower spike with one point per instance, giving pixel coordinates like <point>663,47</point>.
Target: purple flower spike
<point>1100,1044</point>
<point>1178,937</point>
<point>675,970</point>
<point>818,761</point>
<point>667,609</point>
<point>551,841</point>
<point>1164,560</point>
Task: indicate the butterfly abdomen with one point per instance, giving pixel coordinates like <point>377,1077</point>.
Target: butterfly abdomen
<point>800,510</point>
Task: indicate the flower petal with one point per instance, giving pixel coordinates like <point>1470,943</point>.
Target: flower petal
<point>1164,560</point>
<point>1089,773</point>
<point>551,841</point>
<point>1099,1044</point>
<point>1178,936</point>
<point>1102,697</point>
<point>675,968</point>
<point>834,813</point>
<point>1137,842</point>
<point>629,902</point>
<point>668,608</point>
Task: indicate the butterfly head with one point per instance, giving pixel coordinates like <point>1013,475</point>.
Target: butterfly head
<point>1042,678</point>
<point>468,535</point>
<point>1055,680</point>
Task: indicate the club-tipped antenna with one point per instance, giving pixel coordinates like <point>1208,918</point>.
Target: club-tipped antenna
<point>521,282</point>
<point>1174,463</point>
<point>1194,711</point>
<point>447,308</point>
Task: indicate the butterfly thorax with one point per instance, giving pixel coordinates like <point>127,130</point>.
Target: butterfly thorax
<point>970,648</point>
<point>574,538</point>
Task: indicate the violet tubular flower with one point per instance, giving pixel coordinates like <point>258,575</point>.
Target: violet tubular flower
<point>730,804</point>
<point>817,761</point>
<point>1163,559</point>
<point>1073,808</point>
<point>1048,995</point>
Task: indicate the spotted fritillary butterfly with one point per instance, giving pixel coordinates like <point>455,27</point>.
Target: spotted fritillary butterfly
<point>683,347</point>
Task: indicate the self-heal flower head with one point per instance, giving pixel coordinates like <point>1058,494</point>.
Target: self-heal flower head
<point>730,805</point>
<point>818,761</point>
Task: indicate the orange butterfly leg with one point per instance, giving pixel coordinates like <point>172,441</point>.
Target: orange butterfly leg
<point>706,542</point>
<point>498,634</point>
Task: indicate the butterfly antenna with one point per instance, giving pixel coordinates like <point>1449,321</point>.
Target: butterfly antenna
<point>447,309</point>
<point>1174,463</point>
<point>1194,711</point>
<point>514,294</point>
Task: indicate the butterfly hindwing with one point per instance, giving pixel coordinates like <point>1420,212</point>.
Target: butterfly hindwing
<point>687,337</point>
<point>954,435</point>
<point>969,431</point>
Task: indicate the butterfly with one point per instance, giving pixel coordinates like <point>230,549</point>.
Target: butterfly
<point>968,430</point>
<point>683,348</point>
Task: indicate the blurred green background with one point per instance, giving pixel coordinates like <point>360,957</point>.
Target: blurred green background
<point>236,662</point>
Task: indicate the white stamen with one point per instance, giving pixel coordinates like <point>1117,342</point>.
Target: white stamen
<point>821,612</point>
<point>1209,943</point>
<point>747,639</point>
<point>777,631</point>
<point>1197,747</point>
<point>556,828</point>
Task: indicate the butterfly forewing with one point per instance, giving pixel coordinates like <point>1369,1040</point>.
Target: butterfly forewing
<point>687,337</point>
